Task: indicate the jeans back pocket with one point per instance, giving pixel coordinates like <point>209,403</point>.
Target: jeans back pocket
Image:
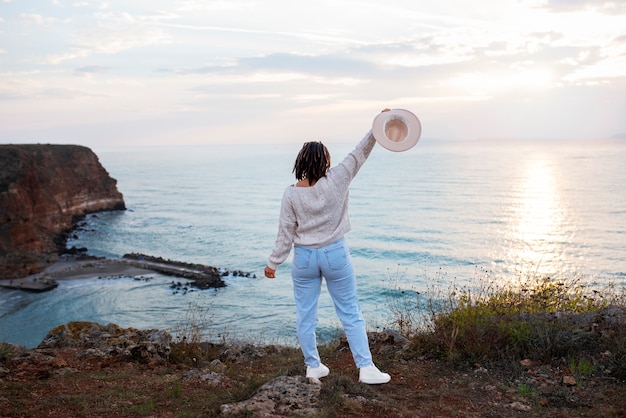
<point>302,257</point>
<point>337,257</point>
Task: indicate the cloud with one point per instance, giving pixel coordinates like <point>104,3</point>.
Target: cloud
<point>35,85</point>
<point>602,6</point>
<point>90,69</point>
<point>110,38</point>
<point>451,61</point>
<point>286,62</point>
<point>36,18</point>
<point>16,86</point>
<point>431,67</point>
<point>213,5</point>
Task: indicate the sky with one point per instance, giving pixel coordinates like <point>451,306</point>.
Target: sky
<point>154,72</point>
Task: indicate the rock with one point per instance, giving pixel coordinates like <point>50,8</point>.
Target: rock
<point>242,351</point>
<point>569,380</point>
<point>146,346</point>
<point>283,396</point>
<point>218,365</point>
<point>44,189</point>
<point>388,343</point>
<point>208,376</point>
<point>388,336</point>
<point>518,406</point>
<point>8,350</point>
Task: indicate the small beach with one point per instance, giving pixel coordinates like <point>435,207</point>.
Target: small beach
<point>66,269</point>
<point>132,265</point>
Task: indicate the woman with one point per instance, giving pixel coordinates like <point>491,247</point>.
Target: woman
<point>314,219</point>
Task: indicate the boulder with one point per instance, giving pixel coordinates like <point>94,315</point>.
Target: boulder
<point>147,346</point>
<point>281,397</point>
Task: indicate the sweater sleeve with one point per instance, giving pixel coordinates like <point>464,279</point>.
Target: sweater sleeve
<point>351,164</point>
<point>287,224</point>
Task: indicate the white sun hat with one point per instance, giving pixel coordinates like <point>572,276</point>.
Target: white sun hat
<point>397,130</point>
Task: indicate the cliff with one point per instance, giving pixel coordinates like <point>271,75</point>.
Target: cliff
<point>44,189</point>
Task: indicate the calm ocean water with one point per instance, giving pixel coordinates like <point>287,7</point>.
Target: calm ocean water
<point>443,212</point>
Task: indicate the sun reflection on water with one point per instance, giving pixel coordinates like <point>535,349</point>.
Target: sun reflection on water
<point>538,227</point>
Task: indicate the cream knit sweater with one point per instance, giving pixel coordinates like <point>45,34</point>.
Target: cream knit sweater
<point>318,215</point>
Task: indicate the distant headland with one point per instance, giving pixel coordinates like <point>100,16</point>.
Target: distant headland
<point>44,191</point>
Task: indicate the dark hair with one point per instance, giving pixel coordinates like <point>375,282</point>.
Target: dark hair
<point>312,163</point>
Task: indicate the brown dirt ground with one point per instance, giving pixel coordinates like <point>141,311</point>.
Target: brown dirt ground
<point>62,384</point>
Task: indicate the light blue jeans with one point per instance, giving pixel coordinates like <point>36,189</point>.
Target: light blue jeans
<point>333,263</point>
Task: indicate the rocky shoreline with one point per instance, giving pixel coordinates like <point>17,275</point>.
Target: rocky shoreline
<point>96,370</point>
<point>44,190</point>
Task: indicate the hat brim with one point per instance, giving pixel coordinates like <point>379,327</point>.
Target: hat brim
<point>397,130</point>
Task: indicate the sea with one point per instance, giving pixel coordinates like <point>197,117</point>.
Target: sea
<point>443,215</point>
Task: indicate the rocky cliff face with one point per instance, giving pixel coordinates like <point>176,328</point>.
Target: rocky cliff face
<point>44,189</point>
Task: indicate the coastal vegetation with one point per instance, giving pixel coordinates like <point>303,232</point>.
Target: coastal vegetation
<point>536,317</point>
<point>542,346</point>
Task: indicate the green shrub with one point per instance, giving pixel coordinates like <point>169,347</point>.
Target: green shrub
<point>403,303</point>
<point>5,351</point>
<point>581,367</point>
<point>616,355</point>
<point>539,318</point>
<point>189,346</point>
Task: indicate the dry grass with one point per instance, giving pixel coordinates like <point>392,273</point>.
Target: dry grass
<point>64,384</point>
<point>496,352</point>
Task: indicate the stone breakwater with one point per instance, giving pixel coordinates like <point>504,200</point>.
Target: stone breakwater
<point>203,276</point>
<point>44,190</point>
<point>196,276</point>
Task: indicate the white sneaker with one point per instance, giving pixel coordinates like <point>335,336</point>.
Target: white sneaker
<point>317,372</point>
<point>372,376</point>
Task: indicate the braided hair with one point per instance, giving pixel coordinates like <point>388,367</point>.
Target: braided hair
<point>312,163</point>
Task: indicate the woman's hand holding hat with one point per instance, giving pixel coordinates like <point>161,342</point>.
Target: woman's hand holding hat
<point>396,129</point>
